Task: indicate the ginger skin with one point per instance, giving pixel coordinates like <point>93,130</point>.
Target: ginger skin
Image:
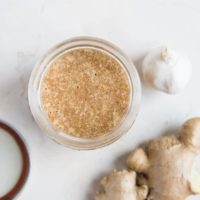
<point>169,164</point>
<point>121,185</point>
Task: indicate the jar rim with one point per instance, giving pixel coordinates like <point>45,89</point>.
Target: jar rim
<point>77,142</point>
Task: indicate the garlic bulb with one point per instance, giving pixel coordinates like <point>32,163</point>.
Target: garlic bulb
<point>166,70</point>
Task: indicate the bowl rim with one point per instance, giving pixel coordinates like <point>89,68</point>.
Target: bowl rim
<point>25,171</point>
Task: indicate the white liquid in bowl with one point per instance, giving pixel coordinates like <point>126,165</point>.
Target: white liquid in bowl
<point>10,162</point>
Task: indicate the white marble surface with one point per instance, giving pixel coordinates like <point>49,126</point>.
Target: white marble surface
<point>29,27</point>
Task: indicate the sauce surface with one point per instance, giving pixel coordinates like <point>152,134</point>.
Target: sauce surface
<point>85,93</point>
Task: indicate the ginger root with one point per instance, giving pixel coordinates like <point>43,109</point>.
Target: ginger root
<point>169,164</point>
<point>121,185</point>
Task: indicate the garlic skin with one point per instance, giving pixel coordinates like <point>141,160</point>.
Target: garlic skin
<point>166,70</point>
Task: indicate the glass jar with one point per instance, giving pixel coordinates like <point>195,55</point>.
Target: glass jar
<point>63,138</point>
